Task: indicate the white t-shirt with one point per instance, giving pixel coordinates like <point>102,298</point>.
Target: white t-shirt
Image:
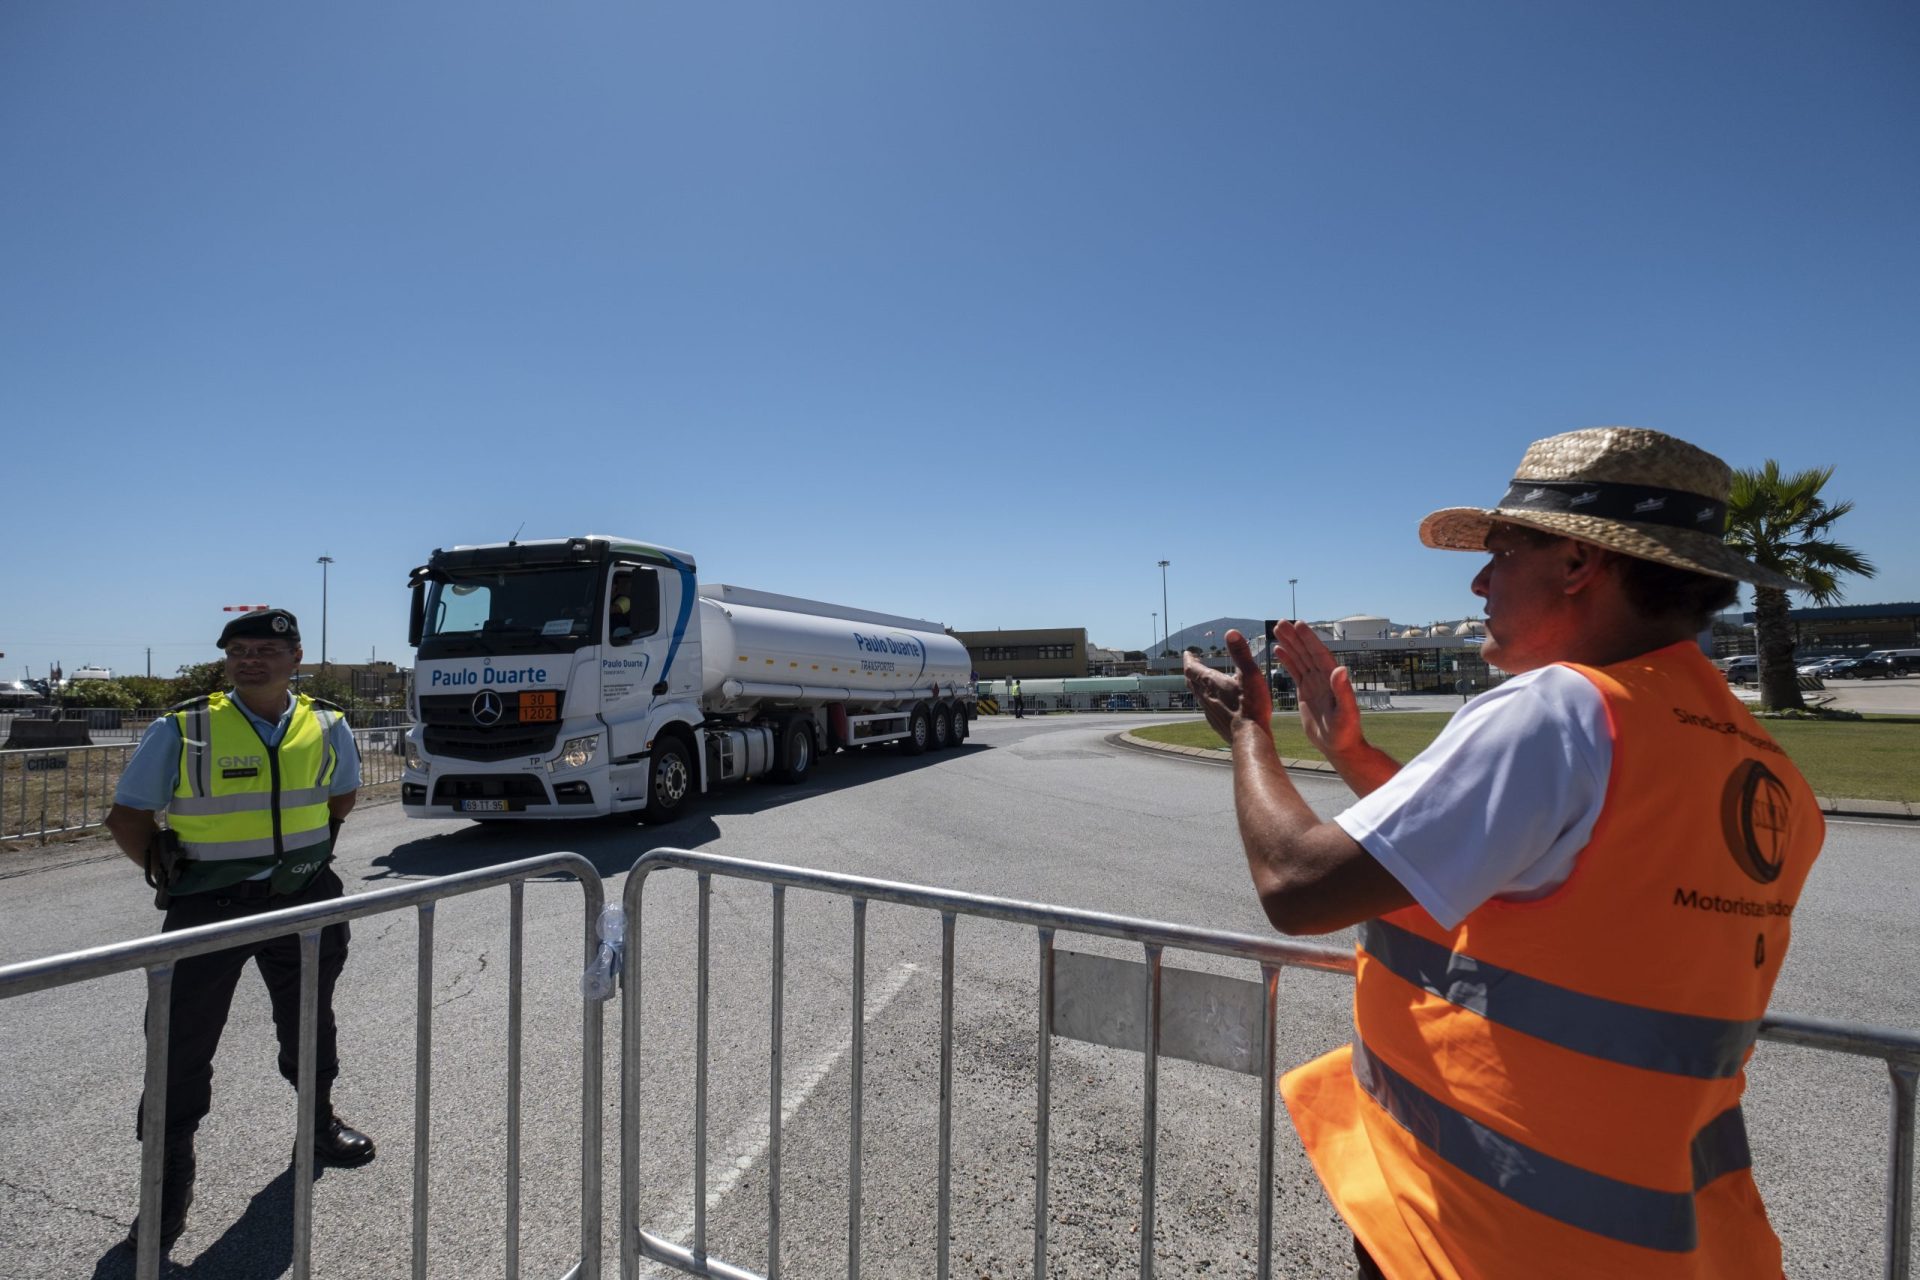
<point>1502,802</point>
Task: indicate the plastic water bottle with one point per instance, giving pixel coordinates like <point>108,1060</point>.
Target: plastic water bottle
<point>602,975</point>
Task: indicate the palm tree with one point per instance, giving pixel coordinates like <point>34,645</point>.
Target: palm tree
<point>1782,523</point>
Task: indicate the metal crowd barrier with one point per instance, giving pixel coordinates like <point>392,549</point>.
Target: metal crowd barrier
<point>1220,1021</point>
<point>158,954</point>
<point>48,792</point>
<point>54,790</point>
<point>1079,998</point>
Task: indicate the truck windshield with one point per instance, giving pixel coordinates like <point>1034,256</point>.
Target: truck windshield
<point>548,610</point>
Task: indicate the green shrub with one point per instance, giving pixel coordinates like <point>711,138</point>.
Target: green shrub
<point>198,680</point>
<point>98,693</point>
<point>150,692</point>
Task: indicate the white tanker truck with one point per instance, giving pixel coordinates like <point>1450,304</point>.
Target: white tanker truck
<point>594,675</point>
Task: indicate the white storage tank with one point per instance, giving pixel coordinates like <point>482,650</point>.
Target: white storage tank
<point>1363,626</point>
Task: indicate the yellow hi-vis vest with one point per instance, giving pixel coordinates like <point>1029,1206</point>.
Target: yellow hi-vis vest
<point>241,807</point>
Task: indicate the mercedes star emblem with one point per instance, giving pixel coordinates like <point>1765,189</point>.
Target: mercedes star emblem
<point>487,708</point>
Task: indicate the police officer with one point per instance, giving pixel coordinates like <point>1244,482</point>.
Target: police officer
<point>255,783</point>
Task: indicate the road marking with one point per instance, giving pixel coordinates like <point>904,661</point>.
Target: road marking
<point>747,1145</point>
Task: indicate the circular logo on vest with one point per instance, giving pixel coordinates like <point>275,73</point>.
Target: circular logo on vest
<point>1753,813</point>
<point>487,707</point>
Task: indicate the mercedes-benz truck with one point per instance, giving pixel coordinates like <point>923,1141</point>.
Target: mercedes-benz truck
<point>595,675</point>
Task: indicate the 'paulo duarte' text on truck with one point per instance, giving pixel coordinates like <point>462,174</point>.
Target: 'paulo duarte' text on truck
<point>595,675</point>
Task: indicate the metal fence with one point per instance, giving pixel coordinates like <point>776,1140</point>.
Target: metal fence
<point>51,790</point>
<point>1204,1018</point>
<point>115,721</point>
<point>157,956</point>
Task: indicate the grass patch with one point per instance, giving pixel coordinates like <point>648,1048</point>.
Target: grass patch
<point>1401,735</point>
<point>1873,759</point>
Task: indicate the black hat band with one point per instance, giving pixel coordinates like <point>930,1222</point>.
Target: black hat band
<point>1634,503</point>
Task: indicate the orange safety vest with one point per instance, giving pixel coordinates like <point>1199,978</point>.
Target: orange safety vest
<point>1552,1088</point>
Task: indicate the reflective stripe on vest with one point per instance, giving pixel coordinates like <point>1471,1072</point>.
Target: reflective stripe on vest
<point>246,802</point>
<point>1652,1039</point>
<point>1552,1087</point>
<point>1643,1216</point>
<point>260,850</point>
<point>251,817</point>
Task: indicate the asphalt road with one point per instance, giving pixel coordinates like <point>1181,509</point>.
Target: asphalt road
<point>1045,809</point>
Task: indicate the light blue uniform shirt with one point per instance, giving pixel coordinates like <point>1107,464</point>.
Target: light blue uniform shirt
<point>154,771</point>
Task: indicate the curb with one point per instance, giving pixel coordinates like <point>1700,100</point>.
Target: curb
<point>1839,806</point>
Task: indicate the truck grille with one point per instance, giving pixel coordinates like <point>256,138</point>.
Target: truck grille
<point>487,786</point>
<point>450,729</point>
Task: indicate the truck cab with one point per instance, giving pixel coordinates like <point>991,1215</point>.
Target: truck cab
<point>544,670</point>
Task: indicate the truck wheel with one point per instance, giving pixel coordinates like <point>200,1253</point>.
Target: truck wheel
<point>959,724</point>
<point>919,733</point>
<point>669,781</point>
<point>796,752</point>
<point>942,729</point>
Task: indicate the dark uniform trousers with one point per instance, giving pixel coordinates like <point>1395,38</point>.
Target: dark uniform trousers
<point>203,993</point>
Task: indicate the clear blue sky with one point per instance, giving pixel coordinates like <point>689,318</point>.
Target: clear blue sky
<point>967,311</point>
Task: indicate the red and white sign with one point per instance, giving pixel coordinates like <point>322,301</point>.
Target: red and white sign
<point>243,608</point>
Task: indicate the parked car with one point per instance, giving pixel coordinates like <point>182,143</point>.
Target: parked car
<point>1741,669</point>
<point>18,693</point>
<point>1898,662</point>
<point>1847,669</point>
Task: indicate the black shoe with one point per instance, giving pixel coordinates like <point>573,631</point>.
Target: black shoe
<point>338,1143</point>
<point>176,1195</point>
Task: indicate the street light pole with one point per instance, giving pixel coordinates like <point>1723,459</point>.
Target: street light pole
<point>1166,618</point>
<point>1293,598</point>
<point>323,562</point>
<point>1156,631</point>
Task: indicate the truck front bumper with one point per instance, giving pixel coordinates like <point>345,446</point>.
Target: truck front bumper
<point>455,794</point>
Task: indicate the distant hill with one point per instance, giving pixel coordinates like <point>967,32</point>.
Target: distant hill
<point>1197,633</point>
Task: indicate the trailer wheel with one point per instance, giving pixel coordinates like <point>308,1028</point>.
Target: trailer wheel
<point>959,723</point>
<point>919,733</point>
<point>942,729</point>
<point>669,781</point>
<point>796,751</point>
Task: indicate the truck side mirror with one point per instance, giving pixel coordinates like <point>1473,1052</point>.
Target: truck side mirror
<point>417,616</point>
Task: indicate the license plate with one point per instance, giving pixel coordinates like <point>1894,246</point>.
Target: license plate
<point>537,706</point>
<point>483,806</point>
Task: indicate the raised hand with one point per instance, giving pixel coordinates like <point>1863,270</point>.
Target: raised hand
<point>1225,699</point>
<point>1329,714</point>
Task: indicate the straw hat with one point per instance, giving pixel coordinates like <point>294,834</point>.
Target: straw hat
<point>1630,490</point>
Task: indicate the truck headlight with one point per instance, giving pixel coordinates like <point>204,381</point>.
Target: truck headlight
<point>575,752</point>
<point>415,761</point>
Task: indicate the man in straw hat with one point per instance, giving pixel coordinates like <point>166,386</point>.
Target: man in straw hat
<point>1571,908</point>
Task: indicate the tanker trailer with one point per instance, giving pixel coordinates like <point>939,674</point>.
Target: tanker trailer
<point>584,676</point>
